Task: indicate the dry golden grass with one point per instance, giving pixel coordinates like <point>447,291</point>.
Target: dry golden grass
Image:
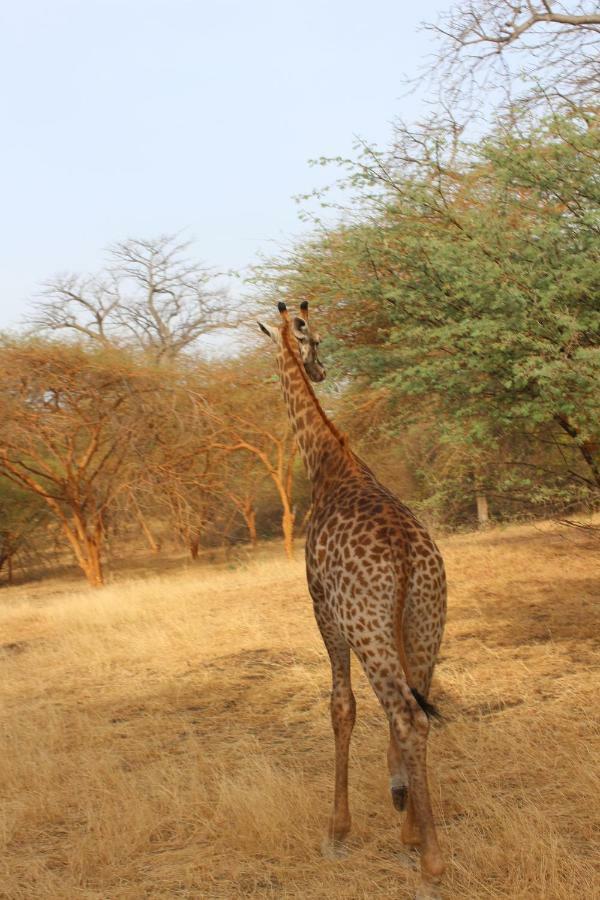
<point>170,736</point>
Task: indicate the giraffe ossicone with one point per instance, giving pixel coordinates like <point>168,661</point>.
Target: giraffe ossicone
<point>378,587</point>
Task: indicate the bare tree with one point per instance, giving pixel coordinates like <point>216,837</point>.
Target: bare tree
<point>251,423</point>
<point>276,452</point>
<point>181,482</point>
<point>552,47</point>
<point>151,296</point>
<point>241,485</point>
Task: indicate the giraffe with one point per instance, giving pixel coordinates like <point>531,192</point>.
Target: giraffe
<point>378,588</point>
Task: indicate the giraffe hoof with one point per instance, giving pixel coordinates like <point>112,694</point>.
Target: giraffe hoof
<point>427,892</point>
<point>400,797</point>
<point>406,859</point>
<point>333,848</point>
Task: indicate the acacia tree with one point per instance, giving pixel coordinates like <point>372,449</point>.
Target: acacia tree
<point>23,517</point>
<point>72,422</point>
<point>182,478</point>
<point>276,452</point>
<point>241,484</point>
<point>469,282</point>
<point>150,296</point>
<point>189,495</point>
<point>250,419</point>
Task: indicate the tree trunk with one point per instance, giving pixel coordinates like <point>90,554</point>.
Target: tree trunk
<point>194,545</point>
<point>87,549</point>
<point>250,519</point>
<point>10,544</point>
<point>90,560</point>
<point>151,540</point>
<point>306,519</point>
<point>287,525</point>
<point>483,518</point>
<point>288,515</point>
<point>588,449</point>
<point>94,573</point>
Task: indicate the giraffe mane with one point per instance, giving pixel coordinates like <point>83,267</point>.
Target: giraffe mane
<point>342,438</point>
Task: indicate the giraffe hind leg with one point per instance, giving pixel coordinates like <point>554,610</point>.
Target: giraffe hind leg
<point>399,791</point>
<point>398,774</point>
<point>401,799</point>
<point>409,727</point>
<point>343,715</point>
<point>411,835</point>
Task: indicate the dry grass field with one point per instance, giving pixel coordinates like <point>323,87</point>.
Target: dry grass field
<point>169,736</point>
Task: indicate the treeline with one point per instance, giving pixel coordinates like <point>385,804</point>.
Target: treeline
<point>457,295</point>
<point>113,427</point>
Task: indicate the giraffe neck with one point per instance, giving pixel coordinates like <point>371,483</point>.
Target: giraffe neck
<point>322,447</point>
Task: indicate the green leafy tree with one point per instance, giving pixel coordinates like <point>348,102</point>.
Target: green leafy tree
<point>467,288</point>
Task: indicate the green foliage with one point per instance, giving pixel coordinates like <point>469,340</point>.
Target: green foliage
<point>467,288</point>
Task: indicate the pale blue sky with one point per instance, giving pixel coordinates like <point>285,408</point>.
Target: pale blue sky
<point>131,118</point>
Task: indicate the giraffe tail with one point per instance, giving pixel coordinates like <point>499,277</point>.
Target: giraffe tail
<point>431,711</point>
<point>428,708</point>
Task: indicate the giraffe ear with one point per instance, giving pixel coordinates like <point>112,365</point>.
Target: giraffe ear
<point>299,326</point>
<point>268,331</point>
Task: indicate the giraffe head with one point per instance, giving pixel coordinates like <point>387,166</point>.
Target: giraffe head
<point>297,332</point>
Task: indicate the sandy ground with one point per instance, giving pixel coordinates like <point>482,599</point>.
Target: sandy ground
<point>169,736</point>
